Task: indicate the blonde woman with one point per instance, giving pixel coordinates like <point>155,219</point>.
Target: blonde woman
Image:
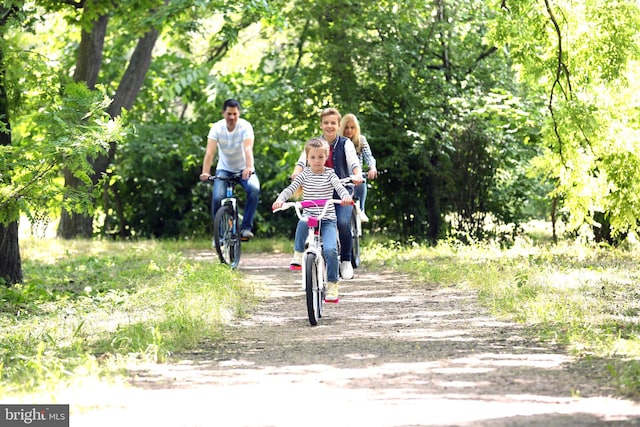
<point>350,128</point>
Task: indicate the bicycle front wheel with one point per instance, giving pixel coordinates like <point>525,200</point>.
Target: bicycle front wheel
<point>312,288</point>
<point>355,240</point>
<point>226,236</point>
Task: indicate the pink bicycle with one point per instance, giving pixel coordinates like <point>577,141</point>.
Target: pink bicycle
<point>314,273</point>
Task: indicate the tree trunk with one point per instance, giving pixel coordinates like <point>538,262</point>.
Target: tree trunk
<point>135,74</point>
<point>432,202</point>
<point>124,98</point>
<point>88,64</point>
<point>444,38</point>
<point>554,219</point>
<point>82,224</point>
<point>90,53</point>
<point>10,262</point>
<point>72,224</point>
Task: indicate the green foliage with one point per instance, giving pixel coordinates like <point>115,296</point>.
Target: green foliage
<point>426,80</point>
<point>489,178</point>
<point>585,62</point>
<point>89,307</point>
<point>386,65</point>
<point>68,129</point>
<point>154,184</point>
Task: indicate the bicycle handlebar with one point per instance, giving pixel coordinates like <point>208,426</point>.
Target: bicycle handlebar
<point>348,181</point>
<point>234,177</point>
<point>325,203</point>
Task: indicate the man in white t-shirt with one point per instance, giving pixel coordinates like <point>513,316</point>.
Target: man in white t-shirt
<point>232,138</point>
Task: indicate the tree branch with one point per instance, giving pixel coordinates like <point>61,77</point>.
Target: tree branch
<point>78,4</point>
<point>560,69</point>
<point>482,56</point>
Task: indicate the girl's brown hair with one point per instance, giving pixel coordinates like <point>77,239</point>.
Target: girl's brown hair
<point>316,143</point>
<point>310,144</point>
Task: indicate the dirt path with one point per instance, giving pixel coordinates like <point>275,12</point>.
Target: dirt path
<point>391,354</point>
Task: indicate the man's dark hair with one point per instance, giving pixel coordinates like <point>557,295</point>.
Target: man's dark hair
<point>231,103</point>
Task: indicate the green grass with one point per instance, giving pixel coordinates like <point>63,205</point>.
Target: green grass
<point>585,298</point>
<point>90,306</point>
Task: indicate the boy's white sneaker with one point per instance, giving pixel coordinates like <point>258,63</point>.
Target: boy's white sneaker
<point>363,217</point>
<point>346,270</point>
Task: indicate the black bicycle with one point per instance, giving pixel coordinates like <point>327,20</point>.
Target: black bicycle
<point>226,226</point>
<point>355,223</point>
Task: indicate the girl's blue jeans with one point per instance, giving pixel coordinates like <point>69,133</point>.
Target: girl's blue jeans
<point>328,232</point>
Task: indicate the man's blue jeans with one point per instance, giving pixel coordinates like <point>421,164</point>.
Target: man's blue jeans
<point>251,187</point>
<point>329,244</point>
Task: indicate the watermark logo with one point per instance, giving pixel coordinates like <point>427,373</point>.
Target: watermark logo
<point>34,415</point>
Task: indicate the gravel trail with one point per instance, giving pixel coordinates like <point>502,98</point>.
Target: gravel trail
<point>390,354</point>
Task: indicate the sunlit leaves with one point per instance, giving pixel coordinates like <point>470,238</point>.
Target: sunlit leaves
<point>607,38</point>
<point>68,131</point>
<point>581,54</point>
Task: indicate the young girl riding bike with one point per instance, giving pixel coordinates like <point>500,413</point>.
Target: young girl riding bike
<point>318,182</point>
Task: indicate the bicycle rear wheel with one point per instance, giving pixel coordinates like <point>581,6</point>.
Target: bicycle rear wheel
<point>355,240</point>
<point>312,288</point>
<point>226,236</point>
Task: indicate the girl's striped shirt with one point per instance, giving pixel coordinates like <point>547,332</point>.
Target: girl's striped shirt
<point>314,187</point>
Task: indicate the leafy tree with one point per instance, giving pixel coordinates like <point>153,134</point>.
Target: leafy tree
<point>490,180</point>
<point>584,58</point>
<point>398,67</point>
<point>88,63</point>
<point>54,122</point>
<point>153,188</point>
